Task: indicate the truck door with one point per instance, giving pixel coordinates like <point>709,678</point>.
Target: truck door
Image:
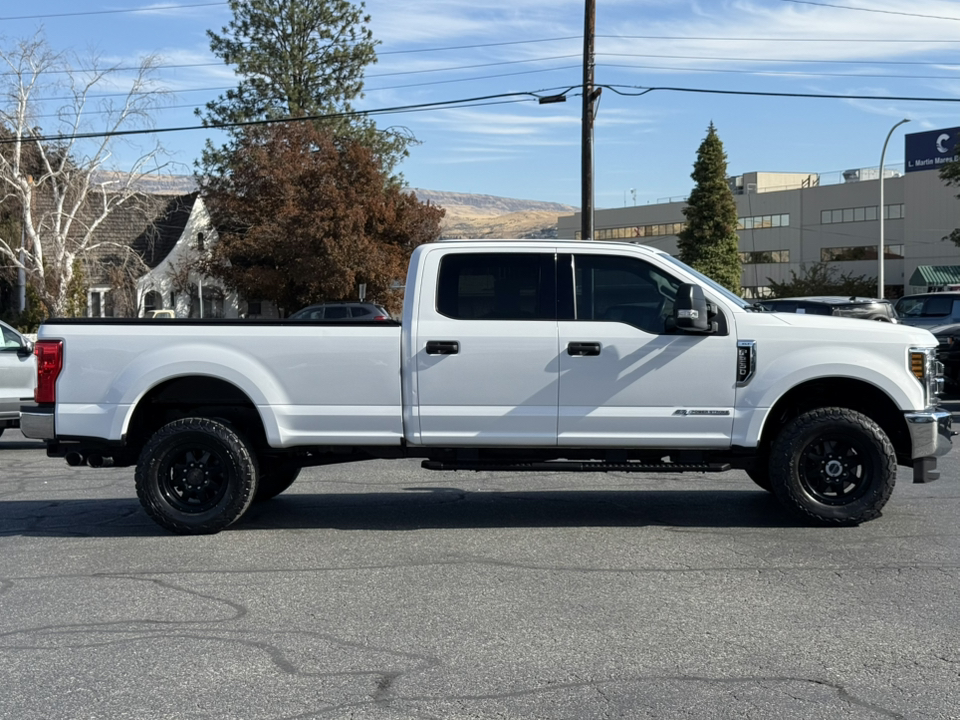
<point>486,349</point>
<point>627,377</point>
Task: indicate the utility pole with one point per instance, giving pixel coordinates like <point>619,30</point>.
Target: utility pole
<point>586,161</point>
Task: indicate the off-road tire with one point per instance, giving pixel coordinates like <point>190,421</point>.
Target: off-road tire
<point>196,476</point>
<point>833,466</point>
<point>275,477</point>
<point>760,474</point>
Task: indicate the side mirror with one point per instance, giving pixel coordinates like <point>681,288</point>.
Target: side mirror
<point>690,309</point>
<point>27,349</point>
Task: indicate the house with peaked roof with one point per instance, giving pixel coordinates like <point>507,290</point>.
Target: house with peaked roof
<point>175,281</point>
<point>168,234</point>
<point>149,225</point>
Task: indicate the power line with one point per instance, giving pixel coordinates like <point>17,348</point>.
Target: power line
<point>111,12</point>
<point>754,38</point>
<point>780,73</point>
<point>757,93</point>
<point>501,98</point>
<point>193,106</point>
<point>177,66</point>
<point>872,10</point>
<point>480,101</point>
<point>775,60</point>
<point>473,67</point>
<point>389,74</point>
<point>482,45</point>
<point>365,89</point>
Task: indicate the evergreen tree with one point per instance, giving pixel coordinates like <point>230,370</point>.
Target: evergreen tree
<point>296,58</point>
<point>709,241</point>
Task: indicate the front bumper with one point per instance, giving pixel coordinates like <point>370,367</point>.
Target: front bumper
<point>931,433</point>
<point>37,422</point>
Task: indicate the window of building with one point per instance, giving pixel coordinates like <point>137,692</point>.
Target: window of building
<point>152,300</point>
<point>765,256</point>
<point>97,301</point>
<point>213,302</point>
<point>860,214</point>
<point>635,231</point>
<point>755,291</point>
<point>497,286</point>
<point>757,222</point>
<point>860,252</point>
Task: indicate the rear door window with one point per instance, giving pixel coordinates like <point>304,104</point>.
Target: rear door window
<point>497,286</point>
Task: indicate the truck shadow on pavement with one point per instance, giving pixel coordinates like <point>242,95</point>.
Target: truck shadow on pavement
<point>419,508</point>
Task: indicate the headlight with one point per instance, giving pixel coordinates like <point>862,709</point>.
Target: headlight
<point>928,371</point>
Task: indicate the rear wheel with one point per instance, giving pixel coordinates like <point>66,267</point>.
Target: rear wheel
<point>274,479</point>
<point>196,476</point>
<point>833,466</point>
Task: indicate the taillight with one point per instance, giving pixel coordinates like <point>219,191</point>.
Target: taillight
<point>49,364</point>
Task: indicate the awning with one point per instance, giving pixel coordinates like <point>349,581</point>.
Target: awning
<point>935,275</point>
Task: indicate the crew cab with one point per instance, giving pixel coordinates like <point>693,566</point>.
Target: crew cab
<point>510,355</point>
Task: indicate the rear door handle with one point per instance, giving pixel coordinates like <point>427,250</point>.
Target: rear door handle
<point>582,349</point>
<point>442,347</point>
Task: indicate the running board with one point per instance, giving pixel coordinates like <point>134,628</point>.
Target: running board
<point>575,466</point>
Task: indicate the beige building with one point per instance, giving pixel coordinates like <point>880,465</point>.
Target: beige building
<point>791,220</point>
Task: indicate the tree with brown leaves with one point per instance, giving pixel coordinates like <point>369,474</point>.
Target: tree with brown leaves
<point>306,217</point>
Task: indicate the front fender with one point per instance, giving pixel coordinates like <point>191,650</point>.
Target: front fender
<point>774,379</point>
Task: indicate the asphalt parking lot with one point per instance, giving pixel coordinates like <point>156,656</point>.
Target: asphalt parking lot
<point>380,590</point>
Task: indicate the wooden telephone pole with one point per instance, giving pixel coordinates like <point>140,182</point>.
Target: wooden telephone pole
<point>586,158</point>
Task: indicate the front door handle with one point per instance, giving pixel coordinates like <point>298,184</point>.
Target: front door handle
<point>582,349</point>
<point>442,347</point>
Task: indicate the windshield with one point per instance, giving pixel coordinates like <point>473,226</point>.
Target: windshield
<point>716,287</point>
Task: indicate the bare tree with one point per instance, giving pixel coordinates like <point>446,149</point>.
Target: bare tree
<point>57,186</point>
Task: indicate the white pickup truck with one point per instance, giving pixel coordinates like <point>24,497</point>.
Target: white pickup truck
<point>511,355</point>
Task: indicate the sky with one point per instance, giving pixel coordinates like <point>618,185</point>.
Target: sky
<point>702,58</point>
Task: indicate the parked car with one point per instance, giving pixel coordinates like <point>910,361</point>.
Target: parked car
<point>949,352</point>
<point>160,314</point>
<point>342,311</point>
<point>929,309</point>
<point>18,375</point>
<point>853,307</point>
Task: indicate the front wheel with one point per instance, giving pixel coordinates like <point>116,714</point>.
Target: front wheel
<point>833,466</point>
<point>196,476</point>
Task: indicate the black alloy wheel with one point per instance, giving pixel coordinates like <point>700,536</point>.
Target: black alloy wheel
<point>833,466</point>
<point>196,476</point>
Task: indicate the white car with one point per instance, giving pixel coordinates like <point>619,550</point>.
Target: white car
<point>18,375</point>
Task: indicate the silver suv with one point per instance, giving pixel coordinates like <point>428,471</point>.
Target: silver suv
<point>18,375</point>
<point>929,310</point>
<point>853,307</point>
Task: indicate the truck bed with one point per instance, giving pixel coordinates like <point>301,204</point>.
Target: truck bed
<point>313,383</point>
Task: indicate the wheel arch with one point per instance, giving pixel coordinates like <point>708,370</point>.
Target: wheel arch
<point>850,393</point>
<point>194,396</point>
